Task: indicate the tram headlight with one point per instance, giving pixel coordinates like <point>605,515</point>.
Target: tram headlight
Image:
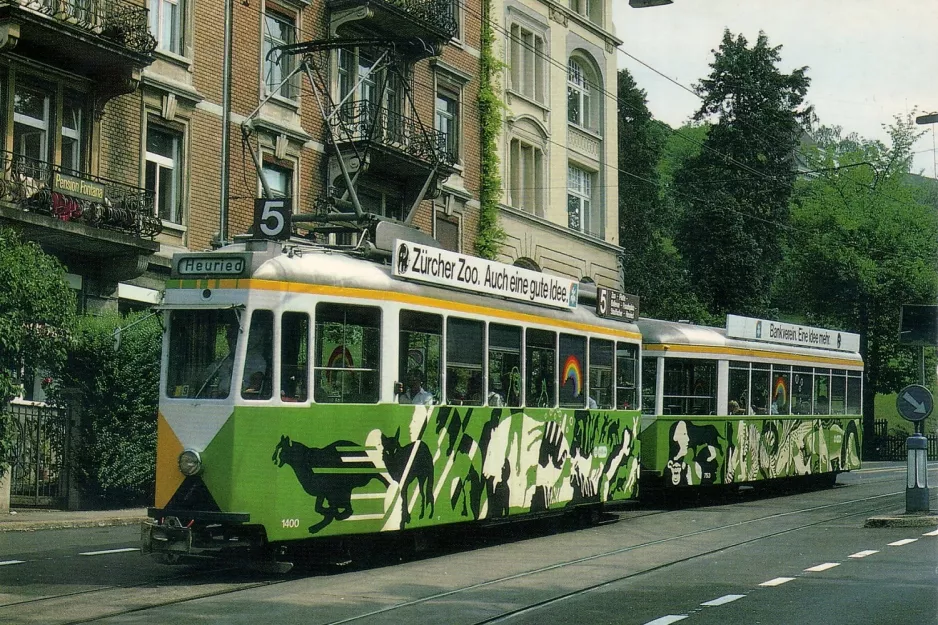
<point>190,463</point>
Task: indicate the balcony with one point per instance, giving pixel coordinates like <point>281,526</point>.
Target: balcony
<point>79,216</point>
<point>105,40</point>
<point>407,147</point>
<point>428,20</point>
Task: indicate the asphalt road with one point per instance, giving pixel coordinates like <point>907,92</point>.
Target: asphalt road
<point>784,557</point>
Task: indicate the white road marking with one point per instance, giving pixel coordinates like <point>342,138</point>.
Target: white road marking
<point>823,567</point>
<point>935,533</point>
<point>666,620</point>
<point>723,600</point>
<point>107,551</point>
<point>778,581</point>
<point>7,562</point>
<point>904,541</point>
<point>863,554</point>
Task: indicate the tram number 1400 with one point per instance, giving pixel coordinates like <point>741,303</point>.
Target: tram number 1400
<point>290,523</point>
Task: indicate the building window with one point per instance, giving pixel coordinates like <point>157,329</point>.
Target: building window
<point>527,63</point>
<point>279,180</point>
<point>32,115</point>
<point>166,24</point>
<point>447,232</point>
<point>36,126</point>
<point>163,168</point>
<point>72,126</point>
<point>526,173</point>
<point>279,30</point>
<point>578,95</point>
<point>590,9</point>
<point>579,201</point>
<point>447,120</point>
<point>359,88</point>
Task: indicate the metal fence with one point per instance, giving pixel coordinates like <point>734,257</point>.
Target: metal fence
<point>40,463</point>
<point>887,446</point>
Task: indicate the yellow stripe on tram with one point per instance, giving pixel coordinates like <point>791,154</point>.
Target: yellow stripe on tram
<point>748,353</point>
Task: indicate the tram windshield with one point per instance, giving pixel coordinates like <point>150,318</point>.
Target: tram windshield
<point>202,347</point>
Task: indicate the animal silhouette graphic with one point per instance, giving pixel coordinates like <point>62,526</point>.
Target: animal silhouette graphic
<point>333,491</point>
<point>407,464</point>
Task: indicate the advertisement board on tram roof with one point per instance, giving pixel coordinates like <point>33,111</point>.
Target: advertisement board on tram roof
<point>752,329</point>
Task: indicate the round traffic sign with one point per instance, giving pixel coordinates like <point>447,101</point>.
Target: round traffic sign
<point>915,402</point>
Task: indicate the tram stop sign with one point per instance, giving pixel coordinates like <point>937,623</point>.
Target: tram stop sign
<point>915,403</point>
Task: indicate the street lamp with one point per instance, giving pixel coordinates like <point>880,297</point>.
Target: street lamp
<point>644,4</point>
<point>931,118</point>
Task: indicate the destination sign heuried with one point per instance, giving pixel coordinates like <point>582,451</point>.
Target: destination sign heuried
<point>790,334</point>
<point>442,267</point>
<point>210,265</point>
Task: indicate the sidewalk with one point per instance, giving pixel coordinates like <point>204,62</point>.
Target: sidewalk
<point>27,520</point>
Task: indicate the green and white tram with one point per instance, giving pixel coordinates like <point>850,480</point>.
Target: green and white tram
<point>757,400</point>
<point>312,392</point>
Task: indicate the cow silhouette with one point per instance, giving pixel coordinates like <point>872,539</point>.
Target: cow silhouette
<point>333,491</point>
<point>396,458</point>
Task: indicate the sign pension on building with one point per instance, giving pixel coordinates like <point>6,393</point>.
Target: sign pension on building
<point>432,265</point>
<point>790,334</point>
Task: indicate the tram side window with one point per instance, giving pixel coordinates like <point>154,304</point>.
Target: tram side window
<point>854,392</point>
<point>760,388</point>
<point>421,354</point>
<point>540,356</point>
<point>256,382</point>
<point>822,395</point>
<point>346,368</point>
<point>839,392</point>
<point>739,389</point>
<point>802,387</point>
<point>600,373</point>
<point>781,390</point>
<point>464,351</point>
<point>294,356</point>
<point>202,345</point>
<point>626,369</point>
<point>504,365</point>
<point>570,382</point>
<point>689,386</point>
<point>649,384</point>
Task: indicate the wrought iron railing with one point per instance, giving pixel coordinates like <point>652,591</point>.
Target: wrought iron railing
<point>119,21</point>
<point>366,121</point>
<point>30,185</point>
<point>438,15</point>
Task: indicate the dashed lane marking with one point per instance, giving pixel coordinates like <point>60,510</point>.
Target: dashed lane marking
<point>863,554</point>
<point>778,581</point>
<point>823,567</point>
<point>107,551</point>
<point>904,541</point>
<point>8,562</point>
<point>723,600</point>
<point>667,620</point>
<point>935,533</point>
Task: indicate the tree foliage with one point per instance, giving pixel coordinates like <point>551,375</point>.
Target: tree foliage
<point>36,312</point>
<point>863,244</point>
<point>736,191</point>
<point>115,384</point>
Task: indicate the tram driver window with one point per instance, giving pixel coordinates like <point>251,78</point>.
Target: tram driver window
<point>346,367</point>
<point>256,382</point>
<point>464,351</point>
<point>420,355</point>
<point>202,349</point>
<point>294,357</point>
<point>626,371</point>
<point>571,384</point>
<point>540,359</point>
<point>600,373</point>
<point>504,365</point>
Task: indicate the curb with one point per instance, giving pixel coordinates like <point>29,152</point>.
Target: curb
<point>32,526</point>
<point>903,520</point>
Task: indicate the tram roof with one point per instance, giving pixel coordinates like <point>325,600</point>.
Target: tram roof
<point>673,333</point>
<point>344,271</point>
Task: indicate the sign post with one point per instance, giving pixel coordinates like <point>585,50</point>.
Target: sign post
<point>915,403</point>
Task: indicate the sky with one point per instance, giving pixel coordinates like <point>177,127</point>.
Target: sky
<point>868,60</point>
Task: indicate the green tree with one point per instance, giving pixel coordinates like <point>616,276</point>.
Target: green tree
<point>115,383</point>
<point>36,312</point>
<point>651,266</point>
<point>736,191</point>
<point>863,244</point>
